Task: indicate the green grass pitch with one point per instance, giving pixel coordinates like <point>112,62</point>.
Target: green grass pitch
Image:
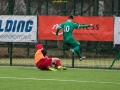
<point>31,78</point>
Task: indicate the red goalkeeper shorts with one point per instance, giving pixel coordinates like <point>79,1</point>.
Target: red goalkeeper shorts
<point>44,63</point>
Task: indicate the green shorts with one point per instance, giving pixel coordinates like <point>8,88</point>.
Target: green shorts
<point>72,42</point>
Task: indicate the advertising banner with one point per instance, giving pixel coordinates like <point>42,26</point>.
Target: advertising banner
<point>18,28</point>
<point>117,30</point>
<point>101,31</point>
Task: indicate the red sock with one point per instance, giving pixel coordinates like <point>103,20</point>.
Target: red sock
<point>58,63</point>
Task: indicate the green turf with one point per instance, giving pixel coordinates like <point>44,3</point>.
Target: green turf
<point>31,78</point>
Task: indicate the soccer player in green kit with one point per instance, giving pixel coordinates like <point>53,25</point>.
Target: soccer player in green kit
<point>68,38</point>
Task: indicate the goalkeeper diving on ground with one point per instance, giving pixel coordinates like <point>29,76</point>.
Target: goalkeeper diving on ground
<point>44,62</point>
<point>68,39</point>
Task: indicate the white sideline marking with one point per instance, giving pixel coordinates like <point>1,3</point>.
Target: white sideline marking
<point>59,80</point>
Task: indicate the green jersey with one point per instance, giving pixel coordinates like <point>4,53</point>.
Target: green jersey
<point>68,28</point>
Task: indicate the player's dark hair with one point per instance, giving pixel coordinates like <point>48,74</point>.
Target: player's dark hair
<point>44,53</point>
<point>70,17</point>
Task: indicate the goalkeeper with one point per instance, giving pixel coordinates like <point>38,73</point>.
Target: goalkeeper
<point>68,38</point>
<point>43,62</point>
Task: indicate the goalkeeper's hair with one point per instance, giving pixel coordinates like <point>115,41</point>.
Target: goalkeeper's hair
<point>70,17</point>
<point>44,52</point>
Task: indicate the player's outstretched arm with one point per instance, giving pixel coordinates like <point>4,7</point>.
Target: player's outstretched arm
<point>85,25</point>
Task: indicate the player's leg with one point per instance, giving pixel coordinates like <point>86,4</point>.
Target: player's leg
<point>75,47</point>
<point>58,64</point>
<point>47,64</point>
<point>77,50</point>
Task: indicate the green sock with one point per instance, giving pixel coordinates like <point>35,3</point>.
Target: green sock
<point>77,50</point>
